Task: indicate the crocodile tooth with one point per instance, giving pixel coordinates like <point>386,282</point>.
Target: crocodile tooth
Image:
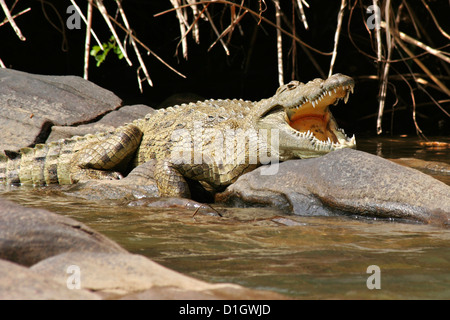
<point>346,97</point>
<point>352,88</point>
<point>329,141</point>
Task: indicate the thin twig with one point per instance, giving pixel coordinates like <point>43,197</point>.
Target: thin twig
<point>256,14</point>
<point>15,16</point>
<point>425,69</point>
<point>336,35</point>
<point>384,79</point>
<point>445,34</point>
<point>435,52</point>
<point>279,43</point>
<point>229,29</point>
<point>196,30</point>
<point>136,49</point>
<point>104,13</point>
<point>147,48</point>
<point>376,9</point>
<point>11,20</point>
<point>86,22</point>
<point>183,23</point>
<point>87,42</point>
<point>213,26</point>
<point>302,12</point>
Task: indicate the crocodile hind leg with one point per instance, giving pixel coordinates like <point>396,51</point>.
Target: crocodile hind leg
<point>99,159</point>
<point>170,181</point>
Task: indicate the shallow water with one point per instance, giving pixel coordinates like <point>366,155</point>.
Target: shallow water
<point>301,257</point>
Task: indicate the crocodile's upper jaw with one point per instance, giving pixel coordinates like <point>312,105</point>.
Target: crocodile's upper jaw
<point>308,128</point>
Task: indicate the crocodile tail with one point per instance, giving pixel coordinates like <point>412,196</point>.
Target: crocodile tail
<point>3,164</point>
<point>9,168</point>
<point>31,166</point>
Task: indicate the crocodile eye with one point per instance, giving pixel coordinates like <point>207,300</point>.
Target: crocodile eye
<point>289,86</point>
<point>292,85</point>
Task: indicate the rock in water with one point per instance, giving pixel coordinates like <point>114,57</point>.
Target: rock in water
<point>29,235</point>
<point>345,181</point>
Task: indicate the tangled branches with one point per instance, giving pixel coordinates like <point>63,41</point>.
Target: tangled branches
<point>394,33</point>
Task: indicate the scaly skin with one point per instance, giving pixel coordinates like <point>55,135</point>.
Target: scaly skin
<point>213,141</point>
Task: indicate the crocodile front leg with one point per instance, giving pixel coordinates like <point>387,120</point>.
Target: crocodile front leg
<point>99,159</point>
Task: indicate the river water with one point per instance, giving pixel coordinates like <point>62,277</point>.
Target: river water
<point>301,257</point>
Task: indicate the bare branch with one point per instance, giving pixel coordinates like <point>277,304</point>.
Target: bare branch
<point>228,29</point>
<point>11,20</point>
<point>445,34</point>
<point>213,26</point>
<point>195,31</point>
<point>336,35</point>
<point>302,12</point>
<point>183,23</point>
<point>136,49</point>
<point>104,13</point>
<point>279,43</point>
<point>425,69</point>
<point>15,16</point>
<point>87,42</point>
<point>385,77</point>
<point>86,22</point>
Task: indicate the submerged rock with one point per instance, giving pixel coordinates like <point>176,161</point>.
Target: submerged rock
<point>345,181</point>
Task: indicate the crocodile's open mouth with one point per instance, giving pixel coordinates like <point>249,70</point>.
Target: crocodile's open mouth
<point>313,118</point>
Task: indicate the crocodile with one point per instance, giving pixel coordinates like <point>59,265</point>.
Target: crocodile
<point>213,141</point>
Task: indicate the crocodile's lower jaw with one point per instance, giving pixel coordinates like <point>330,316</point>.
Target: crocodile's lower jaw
<point>314,119</point>
<point>317,124</point>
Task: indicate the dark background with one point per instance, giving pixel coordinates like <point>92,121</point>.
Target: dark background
<point>250,72</point>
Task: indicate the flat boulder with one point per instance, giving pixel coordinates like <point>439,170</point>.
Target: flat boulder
<point>29,235</point>
<point>31,104</point>
<point>346,181</point>
<point>109,122</point>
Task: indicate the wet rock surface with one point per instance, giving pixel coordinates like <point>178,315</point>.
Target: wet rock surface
<point>30,235</point>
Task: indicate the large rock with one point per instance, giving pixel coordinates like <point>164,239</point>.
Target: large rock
<point>30,104</point>
<point>345,181</point>
<point>109,122</point>
<point>135,276</point>
<point>30,235</point>
<point>20,283</point>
